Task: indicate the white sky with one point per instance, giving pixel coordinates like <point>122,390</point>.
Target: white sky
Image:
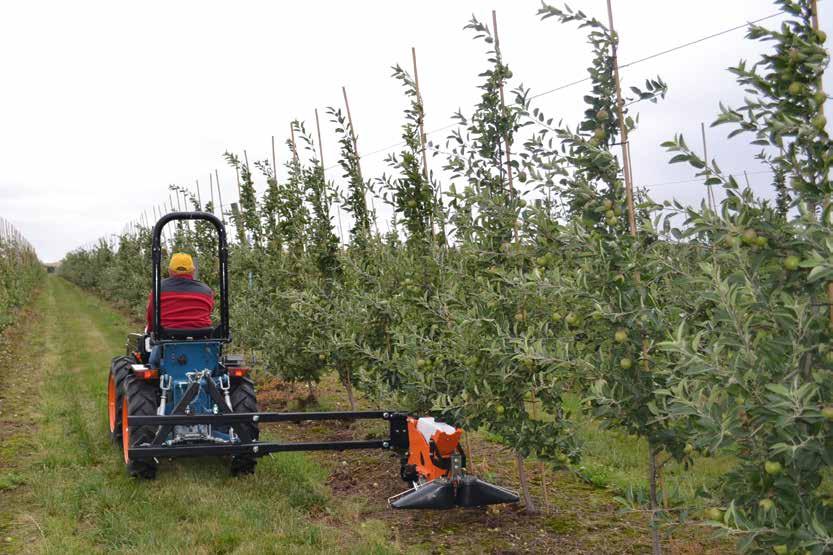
<point>104,104</point>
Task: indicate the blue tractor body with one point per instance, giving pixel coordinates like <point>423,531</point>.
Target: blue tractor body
<point>180,364</point>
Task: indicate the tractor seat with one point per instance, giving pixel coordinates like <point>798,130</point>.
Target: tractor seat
<point>195,334</point>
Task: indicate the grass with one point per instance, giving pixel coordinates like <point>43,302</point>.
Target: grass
<point>65,490</point>
<point>616,460</point>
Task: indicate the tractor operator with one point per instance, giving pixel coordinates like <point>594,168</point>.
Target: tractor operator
<point>186,303</point>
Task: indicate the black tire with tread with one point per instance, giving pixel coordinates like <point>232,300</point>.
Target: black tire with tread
<point>119,369</point>
<point>142,400</point>
<point>244,399</point>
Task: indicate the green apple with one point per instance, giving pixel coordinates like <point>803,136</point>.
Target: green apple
<point>714,514</point>
<point>689,448</point>
<point>625,363</point>
<point>795,88</point>
<point>791,263</point>
<point>780,549</point>
<point>773,468</point>
<point>749,236</point>
<point>620,336</point>
<point>795,55</point>
<point>827,412</point>
<point>766,504</point>
<point>602,115</point>
<point>820,122</point>
<point>500,409</point>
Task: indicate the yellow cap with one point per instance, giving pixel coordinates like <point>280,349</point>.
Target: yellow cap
<point>181,263</point>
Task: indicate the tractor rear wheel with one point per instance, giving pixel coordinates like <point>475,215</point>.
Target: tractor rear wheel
<point>119,369</point>
<point>243,399</point>
<point>140,399</point>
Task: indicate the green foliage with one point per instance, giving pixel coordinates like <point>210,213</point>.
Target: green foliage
<point>413,195</point>
<point>20,274</point>
<point>355,202</point>
<point>753,369</point>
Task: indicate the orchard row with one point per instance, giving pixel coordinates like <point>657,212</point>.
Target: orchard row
<point>20,272</point>
<point>700,329</point>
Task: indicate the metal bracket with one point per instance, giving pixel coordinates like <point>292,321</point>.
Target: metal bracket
<point>184,401</point>
<point>398,430</point>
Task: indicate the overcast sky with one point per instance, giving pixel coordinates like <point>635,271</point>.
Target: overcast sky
<point>104,104</point>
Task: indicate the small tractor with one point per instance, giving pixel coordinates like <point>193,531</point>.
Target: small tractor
<point>198,401</point>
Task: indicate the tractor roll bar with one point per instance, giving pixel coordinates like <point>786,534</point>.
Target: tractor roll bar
<point>222,331</point>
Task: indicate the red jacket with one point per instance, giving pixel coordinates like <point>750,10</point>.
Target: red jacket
<point>186,304</point>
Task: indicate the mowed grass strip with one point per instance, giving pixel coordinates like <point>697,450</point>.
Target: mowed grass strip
<point>77,497</point>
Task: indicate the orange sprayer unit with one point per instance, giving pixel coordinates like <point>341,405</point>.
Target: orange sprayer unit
<point>435,465</point>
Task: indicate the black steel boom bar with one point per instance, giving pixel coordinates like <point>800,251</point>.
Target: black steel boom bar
<point>256,449</point>
<point>237,417</point>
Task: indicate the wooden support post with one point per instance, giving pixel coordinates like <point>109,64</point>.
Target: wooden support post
<point>352,133</point>
<point>358,158</point>
<point>324,174</point>
<point>623,130</point>
<point>820,86</point>
<point>709,190</point>
<point>211,189</point>
<point>422,142</point>
<point>199,196</point>
<point>320,144</point>
<point>421,116</point>
<point>237,172</point>
<point>274,161</point>
<point>292,144</point>
<point>220,197</point>
<point>506,145</point>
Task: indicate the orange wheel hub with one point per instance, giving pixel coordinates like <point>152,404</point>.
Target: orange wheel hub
<point>111,402</point>
<point>125,430</point>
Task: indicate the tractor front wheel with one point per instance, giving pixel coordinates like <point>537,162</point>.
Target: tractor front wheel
<point>243,399</point>
<point>139,399</point>
<point>119,370</point>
